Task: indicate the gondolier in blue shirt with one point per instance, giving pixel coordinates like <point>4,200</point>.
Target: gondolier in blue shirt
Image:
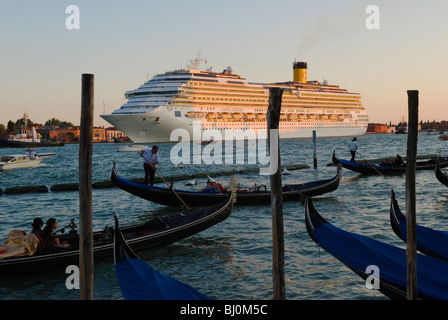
<point>353,147</point>
<point>151,158</point>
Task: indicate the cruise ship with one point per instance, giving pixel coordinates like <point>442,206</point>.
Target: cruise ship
<point>199,100</point>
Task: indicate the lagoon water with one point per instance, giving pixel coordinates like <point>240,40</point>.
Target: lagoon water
<point>231,260</point>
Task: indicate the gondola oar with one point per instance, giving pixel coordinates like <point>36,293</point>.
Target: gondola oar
<point>169,186</point>
<point>370,164</point>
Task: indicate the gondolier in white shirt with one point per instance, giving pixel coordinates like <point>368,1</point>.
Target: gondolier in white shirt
<point>353,146</point>
<point>151,159</point>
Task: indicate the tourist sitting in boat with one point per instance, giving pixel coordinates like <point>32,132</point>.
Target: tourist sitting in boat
<point>37,226</point>
<point>37,231</point>
<point>48,234</point>
<point>398,161</point>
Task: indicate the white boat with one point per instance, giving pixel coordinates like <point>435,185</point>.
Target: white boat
<point>18,161</point>
<point>134,148</point>
<point>195,100</point>
<point>191,182</point>
<point>46,155</point>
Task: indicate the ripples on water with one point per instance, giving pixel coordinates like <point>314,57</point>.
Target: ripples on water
<point>231,260</point>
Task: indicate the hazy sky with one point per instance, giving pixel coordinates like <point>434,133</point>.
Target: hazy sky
<point>124,43</point>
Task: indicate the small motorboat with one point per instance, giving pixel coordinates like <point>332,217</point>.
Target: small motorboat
<point>134,147</point>
<point>18,161</point>
<point>443,136</point>
<point>46,155</point>
<point>191,182</point>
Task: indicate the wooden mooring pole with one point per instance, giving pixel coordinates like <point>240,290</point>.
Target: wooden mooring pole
<point>86,266</point>
<point>314,149</point>
<point>275,177</point>
<point>411,249</point>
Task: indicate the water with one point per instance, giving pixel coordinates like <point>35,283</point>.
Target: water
<point>231,260</point>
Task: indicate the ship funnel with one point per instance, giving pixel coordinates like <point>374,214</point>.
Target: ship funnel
<point>300,72</point>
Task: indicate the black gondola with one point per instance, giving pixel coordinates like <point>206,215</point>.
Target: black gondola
<point>388,167</point>
<point>441,176</point>
<point>165,196</point>
<point>139,281</point>
<point>359,253</point>
<point>429,241</point>
<point>157,232</point>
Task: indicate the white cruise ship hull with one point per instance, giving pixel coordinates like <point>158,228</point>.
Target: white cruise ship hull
<point>160,126</point>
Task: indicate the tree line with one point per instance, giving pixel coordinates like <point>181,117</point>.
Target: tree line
<point>11,126</point>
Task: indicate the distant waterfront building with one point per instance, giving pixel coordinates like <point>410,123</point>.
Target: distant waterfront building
<point>112,134</point>
<point>391,128</point>
<point>64,134</point>
<point>73,134</point>
<point>99,134</point>
<point>377,128</point>
<point>385,128</point>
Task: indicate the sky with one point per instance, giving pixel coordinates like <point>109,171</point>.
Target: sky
<point>125,43</point>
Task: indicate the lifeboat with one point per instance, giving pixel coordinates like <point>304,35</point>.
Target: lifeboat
<point>293,116</point>
<point>225,116</point>
<point>194,115</point>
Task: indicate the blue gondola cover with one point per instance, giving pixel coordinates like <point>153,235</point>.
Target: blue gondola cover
<point>139,281</point>
<point>429,239</point>
<point>360,251</point>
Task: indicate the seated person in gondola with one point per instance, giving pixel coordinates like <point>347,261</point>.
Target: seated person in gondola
<point>37,231</point>
<point>48,234</point>
<point>398,161</point>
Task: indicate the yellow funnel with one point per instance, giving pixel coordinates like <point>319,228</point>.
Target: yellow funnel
<point>300,72</point>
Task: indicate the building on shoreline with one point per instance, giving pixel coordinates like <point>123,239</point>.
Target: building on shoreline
<point>100,134</point>
<point>389,128</point>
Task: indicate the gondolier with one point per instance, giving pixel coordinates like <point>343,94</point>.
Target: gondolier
<point>353,146</point>
<point>151,159</point>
